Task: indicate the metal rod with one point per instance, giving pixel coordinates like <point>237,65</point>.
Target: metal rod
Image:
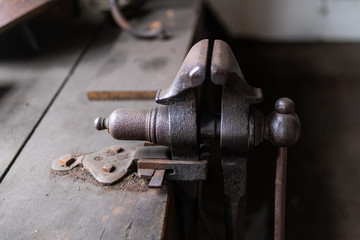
<point>280,189</point>
<point>126,26</point>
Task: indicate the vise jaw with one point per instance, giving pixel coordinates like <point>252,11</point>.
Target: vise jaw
<point>182,124</point>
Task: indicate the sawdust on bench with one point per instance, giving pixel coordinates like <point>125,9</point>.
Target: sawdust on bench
<point>130,183</point>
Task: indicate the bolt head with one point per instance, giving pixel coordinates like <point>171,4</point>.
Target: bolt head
<point>108,167</point>
<point>114,151</point>
<point>67,160</point>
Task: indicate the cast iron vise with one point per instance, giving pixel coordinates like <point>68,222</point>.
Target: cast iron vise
<point>184,124</point>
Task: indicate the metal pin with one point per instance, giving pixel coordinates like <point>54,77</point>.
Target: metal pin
<point>280,190</point>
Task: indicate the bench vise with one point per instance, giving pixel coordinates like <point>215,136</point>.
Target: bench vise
<point>184,123</point>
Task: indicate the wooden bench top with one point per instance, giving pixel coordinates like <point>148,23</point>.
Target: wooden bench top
<point>47,114</point>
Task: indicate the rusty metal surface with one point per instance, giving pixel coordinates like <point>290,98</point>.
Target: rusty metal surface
<point>282,129</point>
<point>157,179</point>
<point>67,160</point>
<point>280,190</point>
<point>237,96</point>
<point>107,166</point>
<point>162,125</point>
<point>174,125</point>
<point>180,170</point>
<point>12,11</point>
<point>182,127</point>
<point>150,125</point>
<point>58,165</point>
<point>153,152</point>
<point>191,74</point>
<point>183,121</point>
<point>120,157</point>
<point>225,71</point>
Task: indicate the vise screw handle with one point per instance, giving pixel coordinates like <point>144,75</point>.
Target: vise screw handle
<point>282,129</point>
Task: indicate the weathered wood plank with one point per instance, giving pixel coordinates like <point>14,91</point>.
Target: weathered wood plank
<point>13,11</point>
<point>29,81</point>
<point>33,204</point>
<point>137,65</point>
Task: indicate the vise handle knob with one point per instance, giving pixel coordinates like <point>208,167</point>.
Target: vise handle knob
<point>282,126</point>
<point>282,129</point>
<point>100,123</point>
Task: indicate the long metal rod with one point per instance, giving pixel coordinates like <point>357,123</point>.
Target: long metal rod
<point>126,26</point>
<point>280,189</point>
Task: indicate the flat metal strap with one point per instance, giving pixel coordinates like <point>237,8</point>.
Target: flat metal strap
<point>177,170</point>
<point>157,180</point>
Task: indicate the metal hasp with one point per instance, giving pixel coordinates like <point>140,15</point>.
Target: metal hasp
<point>182,126</point>
<point>107,166</point>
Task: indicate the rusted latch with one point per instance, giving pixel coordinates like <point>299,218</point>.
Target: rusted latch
<point>111,164</point>
<point>107,166</point>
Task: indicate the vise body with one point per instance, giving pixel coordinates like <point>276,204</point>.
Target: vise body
<point>185,124</point>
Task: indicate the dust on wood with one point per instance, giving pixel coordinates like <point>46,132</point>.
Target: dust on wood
<point>130,183</point>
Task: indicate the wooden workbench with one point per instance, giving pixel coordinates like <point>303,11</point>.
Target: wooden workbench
<point>13,12</point>
<point>45,113</point>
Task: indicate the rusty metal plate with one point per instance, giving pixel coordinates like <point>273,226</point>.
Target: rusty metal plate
<point>108,165</point>
<point>111,164</point>
<point>119,157</point>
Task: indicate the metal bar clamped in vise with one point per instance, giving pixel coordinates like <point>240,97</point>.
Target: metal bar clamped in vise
<point>181,125</point>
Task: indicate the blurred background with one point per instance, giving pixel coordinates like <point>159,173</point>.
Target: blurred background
<point>308,51</point>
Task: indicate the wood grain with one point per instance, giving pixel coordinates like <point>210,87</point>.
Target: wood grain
<point>29,81</point>
<point>35,204</point>
<point>136,68</point>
